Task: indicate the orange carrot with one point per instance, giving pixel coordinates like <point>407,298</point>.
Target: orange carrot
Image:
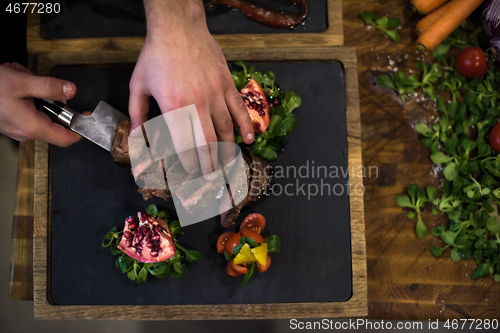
<point>446,23</point>
<point>424,7</point>
<point>427,21</point>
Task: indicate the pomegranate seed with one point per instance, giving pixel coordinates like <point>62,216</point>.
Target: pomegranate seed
<point>132,225</point>
<point>128,235</point>
<point>154,254</point>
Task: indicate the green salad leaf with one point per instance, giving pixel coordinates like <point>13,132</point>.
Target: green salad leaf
<point>385,25</point>
<point>458,142</point>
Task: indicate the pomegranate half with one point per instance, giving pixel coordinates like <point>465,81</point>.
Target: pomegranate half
<point>147,239</point>
<point>257,106</point>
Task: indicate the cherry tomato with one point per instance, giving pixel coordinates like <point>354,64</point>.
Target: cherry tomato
<point>252,234</point>
<point>221,242</point>
<point>238,268</point>
<point>262,269</point>
<point>471,63</point>
<point>495,138</point>
<point>231,272</point>
<point>255,222</point>
<point>232,242</point>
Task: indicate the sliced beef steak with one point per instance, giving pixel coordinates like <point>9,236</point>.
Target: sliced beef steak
<point>119,150</point>
<point>194,191</point>
<point>259,180</point>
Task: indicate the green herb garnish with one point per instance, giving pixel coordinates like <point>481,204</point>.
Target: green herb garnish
<point>405,85</point>
<point>384,24</point>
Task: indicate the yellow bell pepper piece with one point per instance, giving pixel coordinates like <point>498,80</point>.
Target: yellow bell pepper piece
<point>260,253</point>
<point>245,255</point>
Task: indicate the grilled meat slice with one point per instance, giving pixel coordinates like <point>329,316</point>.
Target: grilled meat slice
<point>259,180</point>
<point>194,191</point>
<point>119,150</point>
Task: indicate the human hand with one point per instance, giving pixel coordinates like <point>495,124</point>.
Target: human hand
<point>19,119</point>
<point>181,64</point>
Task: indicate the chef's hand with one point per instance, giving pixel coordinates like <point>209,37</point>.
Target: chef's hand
<point>19,118</point>
<point>182,64</point>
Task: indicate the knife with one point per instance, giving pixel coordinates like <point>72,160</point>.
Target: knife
<point>99,127</point>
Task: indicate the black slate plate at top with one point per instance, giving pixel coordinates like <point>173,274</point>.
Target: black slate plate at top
<point>90,194</point>
<point>126,18</point>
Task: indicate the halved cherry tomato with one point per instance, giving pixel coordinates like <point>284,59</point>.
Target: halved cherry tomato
<point>495,138</point>
<point>262,269</point>
<point>252,234</point>
<point>232,242</point>
<point>238,268</point>
<point>255,222</point>
<point>231,272</point>
<point>221,242</point>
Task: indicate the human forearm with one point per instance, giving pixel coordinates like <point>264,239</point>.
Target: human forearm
<point>172,15</point>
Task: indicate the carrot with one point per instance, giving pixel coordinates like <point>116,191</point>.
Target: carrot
<point>446,23</point>
<point>427,21</point>
<point>424,7</point>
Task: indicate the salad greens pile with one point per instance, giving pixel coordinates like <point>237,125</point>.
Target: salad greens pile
<point>138,271</point>
<point>383,24</point>
<point>282,121</point>
<point>458,142</point>
<point>442,71</point>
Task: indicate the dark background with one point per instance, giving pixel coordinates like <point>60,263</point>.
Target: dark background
<point>91,194</point>
<point>13,37</point>
<point>120,18</point>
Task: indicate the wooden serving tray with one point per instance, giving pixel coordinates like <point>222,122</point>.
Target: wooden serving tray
<point>356,305</point>
<point>332,36</point>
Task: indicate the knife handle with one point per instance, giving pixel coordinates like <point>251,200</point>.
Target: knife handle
<point>57,111</point>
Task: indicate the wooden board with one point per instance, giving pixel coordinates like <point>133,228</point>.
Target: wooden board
<point>21,263</point>
<point>332,36</point>
<point>355,306</point>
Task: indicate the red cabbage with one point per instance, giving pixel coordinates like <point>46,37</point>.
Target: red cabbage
<point>491,17</point>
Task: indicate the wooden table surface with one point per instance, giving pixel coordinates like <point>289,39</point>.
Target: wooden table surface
<point>404,280</point>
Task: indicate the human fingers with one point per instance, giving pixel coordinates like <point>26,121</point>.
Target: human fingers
<point>181,132</point>
<point>41,128</point>
<point>240,115</point>
<point>138,105</point>
<point>206,141</point>
<point>17,66</point>
<point>223,124</point>
<point>46,87</point>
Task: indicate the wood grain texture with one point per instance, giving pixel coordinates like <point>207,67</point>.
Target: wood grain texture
<point>21,262</point>
<point>332,36</point>
<point>356,306</point>
<point>405,281</point>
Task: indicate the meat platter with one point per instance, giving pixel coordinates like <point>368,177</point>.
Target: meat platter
<point>321,238</point>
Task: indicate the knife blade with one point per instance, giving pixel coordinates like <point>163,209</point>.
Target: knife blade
<point>99,127</point>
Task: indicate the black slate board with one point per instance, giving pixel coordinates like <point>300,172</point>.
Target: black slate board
<point>126,18</point>
<point>90,194</point>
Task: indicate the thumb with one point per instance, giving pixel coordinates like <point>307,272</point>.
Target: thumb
<point>48,88</point>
